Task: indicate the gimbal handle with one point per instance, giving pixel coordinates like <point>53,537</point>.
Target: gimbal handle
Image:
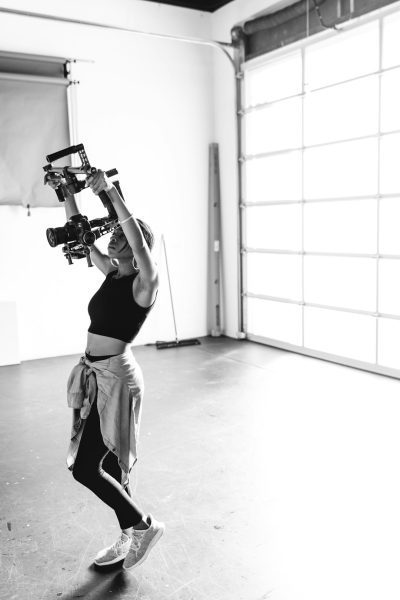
<point>106,200</point>
<point>108,205</point>
<point>66,152</point>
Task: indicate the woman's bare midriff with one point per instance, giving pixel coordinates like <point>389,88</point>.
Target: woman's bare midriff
<point>101,345</point>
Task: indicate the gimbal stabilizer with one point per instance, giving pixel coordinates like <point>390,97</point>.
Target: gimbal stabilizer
<point>78,234</point>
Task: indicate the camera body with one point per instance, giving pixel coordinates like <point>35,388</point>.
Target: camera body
<point>78,234</point>
<point>76,229</point>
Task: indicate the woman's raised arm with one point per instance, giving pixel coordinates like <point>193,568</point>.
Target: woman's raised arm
<point>148,269</point>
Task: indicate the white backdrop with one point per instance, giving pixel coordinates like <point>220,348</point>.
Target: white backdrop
<point>33,116</point>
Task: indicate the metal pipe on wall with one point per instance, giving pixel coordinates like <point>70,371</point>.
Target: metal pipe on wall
<point>213,43</point>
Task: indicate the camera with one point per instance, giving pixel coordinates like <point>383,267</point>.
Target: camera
<point>77,229</point>
<point>78,234</point>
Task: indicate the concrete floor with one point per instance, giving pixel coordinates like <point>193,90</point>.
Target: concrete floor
<point>277,476</point>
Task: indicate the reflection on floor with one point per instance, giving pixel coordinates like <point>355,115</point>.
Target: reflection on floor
<point>277,476</point>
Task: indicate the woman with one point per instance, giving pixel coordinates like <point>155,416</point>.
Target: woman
<point>105,388</point>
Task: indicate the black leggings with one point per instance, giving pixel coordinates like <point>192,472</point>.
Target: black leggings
<point>97,468</point>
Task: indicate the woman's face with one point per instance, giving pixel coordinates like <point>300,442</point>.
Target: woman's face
<point>118,246</point>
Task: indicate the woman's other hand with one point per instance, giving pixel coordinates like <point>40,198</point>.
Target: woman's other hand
<point>54,180</point>
<point>99,182</point>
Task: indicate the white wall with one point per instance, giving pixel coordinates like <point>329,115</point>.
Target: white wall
<point>145,107</point>
<point>223,20</point>
<point>149,107</point>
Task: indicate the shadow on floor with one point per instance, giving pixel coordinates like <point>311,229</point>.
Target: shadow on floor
<point>105,582</point>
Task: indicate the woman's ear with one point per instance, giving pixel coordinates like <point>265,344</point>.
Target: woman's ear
<point>114,262</point>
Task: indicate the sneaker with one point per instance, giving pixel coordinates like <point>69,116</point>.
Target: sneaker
<point>142,543</point>
<point>114,553</point>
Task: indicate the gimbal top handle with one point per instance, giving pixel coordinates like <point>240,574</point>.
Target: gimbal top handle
<point>66,152</point>
<point>79,148</point>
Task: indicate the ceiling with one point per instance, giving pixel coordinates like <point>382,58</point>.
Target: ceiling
<point>204,5</point>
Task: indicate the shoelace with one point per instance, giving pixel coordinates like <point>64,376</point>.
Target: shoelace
<point>119,543</point>
<point>137,536</point>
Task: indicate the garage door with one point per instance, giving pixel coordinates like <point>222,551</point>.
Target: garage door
<point>321,197</point>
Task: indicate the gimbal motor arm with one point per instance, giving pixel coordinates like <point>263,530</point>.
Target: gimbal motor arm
<point>78,234</point>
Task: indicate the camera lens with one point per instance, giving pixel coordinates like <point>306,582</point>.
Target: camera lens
<point>56,236</point>
<point>88,238</point>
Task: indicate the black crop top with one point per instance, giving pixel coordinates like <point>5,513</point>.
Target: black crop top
<point>113,311</point>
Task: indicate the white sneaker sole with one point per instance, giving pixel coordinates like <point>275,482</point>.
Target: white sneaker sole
<point>150,546</point>
<point>110,562</point>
